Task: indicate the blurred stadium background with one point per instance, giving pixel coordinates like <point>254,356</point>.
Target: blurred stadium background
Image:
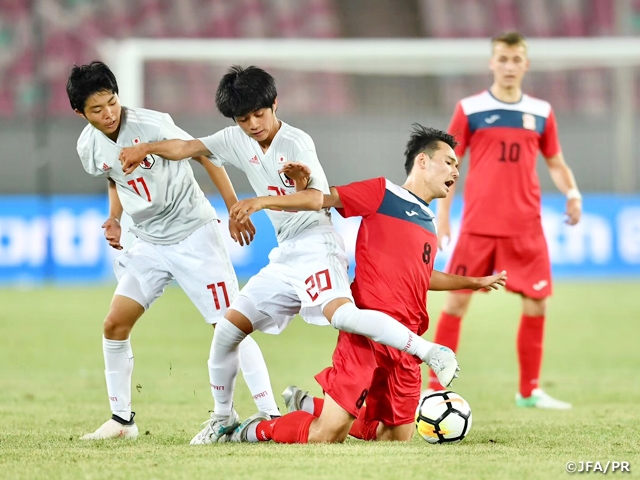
<point>51,210</point>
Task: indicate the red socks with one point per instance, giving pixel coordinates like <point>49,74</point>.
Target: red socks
<point>364,430</point>
<point>530,343</point>
<point>447,334</point>
<point>290,428</point>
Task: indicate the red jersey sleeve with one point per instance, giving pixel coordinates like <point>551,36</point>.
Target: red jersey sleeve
<point>459,128</point>
<point>549,141</point>
<point>360,199</point>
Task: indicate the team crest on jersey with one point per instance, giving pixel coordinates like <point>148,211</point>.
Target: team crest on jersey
<point>135,141</point>
<point>528,121</point>
<point>286,180</point>
<point>282,159</point>
<point>148,162</point>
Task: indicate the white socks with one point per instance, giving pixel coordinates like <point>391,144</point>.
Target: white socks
<point>380,328</point>
<point>224,363</point>
<point>118,362</point>
<point>255,373</point>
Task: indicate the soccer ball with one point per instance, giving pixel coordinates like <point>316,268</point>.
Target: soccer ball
<point>443,417</point>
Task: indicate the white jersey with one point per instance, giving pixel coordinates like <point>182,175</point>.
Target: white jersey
<point>234,147</point>
<point>161,196</point>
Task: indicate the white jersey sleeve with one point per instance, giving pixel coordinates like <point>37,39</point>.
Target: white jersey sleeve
<point>162,196</point>
<point>233,147</point>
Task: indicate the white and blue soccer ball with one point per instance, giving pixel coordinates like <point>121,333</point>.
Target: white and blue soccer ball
<point>443,417</point>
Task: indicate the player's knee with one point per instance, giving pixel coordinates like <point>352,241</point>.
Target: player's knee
<point>115,327</point>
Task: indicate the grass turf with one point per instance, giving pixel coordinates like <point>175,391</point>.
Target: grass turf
<point>52,391</point>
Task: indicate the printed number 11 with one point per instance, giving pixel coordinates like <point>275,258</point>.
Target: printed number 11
<point>141,181</point>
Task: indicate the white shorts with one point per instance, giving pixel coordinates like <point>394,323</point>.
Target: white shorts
<point>304,274</point>
<point>200,264</point>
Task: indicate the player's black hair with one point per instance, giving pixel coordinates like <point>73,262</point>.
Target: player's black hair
<point>245,90</point>
<point>425,140</point>
<point>87,80</point>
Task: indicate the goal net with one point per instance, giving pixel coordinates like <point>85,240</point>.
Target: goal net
<point>376,85</point>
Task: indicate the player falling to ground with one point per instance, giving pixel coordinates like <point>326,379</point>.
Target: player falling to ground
<point>307,271</point>
<point>501,222</point>
<point>177,232</point>
<point>395,251</point>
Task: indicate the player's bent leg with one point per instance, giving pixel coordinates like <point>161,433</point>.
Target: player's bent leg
<point>118,359</point>
<point>333,424</point>
<point>400,433</point>
<point>386,330</point>
<point>224,364</point>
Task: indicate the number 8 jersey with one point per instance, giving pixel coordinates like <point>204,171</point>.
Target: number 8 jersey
<point>161,196</point>
<point>502,190</point>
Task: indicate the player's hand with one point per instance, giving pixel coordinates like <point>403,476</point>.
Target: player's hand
<point>492,282</point>
<point>243,209</point>
<point>112,232</point>
<point>296,171</point>
<point>573,211</point>
<point>444,232</point>
<point>242,233</point>
<point>131,157</point>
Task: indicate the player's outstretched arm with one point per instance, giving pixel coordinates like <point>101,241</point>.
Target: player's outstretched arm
<point>176,149</point>
<point>112,229</point>
<point>563,178</point>
<point>445,281</point>
<point>243,233</point>
<point>309,199</point>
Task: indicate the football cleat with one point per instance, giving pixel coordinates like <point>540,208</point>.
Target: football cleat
<point>540,399</point>
<point>115,427</point>
<point>442,360</point>
<point>239,434</point>
<point>215,428</point>
<point>293,397</point>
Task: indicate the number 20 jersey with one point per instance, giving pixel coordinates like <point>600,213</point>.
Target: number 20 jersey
<point>395,250</point>
<point>502,190</point>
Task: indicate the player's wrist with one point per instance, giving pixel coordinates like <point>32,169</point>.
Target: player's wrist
<point>573,193</point>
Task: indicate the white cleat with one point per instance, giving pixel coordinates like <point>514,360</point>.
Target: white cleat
<point>540,399</point>
<point>113,429</point>
<point>442,360</point>
<point>293,397</point>
<point>239,434</point>
<point>216,428</point>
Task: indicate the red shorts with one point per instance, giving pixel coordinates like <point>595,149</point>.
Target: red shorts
<point>525,258</point>
<point>387,379</point>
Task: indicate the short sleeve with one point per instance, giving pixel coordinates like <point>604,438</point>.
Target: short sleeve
<point>169,130</point>
<point>220,146</point>
<point>361,198</point>
<point>459,128</point>
<point>549,141</point>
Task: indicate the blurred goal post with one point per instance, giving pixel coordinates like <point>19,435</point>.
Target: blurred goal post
<point>407,57</point>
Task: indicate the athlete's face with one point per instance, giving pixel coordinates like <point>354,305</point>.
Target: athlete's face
<point>509,63</point>
<point>261,125</point>
<point>440,170</point>
<point>103,110</point>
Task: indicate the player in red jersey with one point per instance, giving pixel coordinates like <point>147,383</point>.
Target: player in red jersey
<point>395,252</point>
<point>501,228</point>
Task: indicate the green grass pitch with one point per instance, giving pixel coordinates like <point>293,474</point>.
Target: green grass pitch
<point>52,391</point>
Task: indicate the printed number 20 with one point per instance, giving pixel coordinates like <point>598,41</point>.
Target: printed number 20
<point>318,282</point>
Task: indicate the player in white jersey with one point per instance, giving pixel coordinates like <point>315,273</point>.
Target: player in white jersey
<point>178,237</point>
<point>307,271</point>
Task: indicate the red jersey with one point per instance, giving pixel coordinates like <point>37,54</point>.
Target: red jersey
<point>395,250</point>
<point>502,190</point>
